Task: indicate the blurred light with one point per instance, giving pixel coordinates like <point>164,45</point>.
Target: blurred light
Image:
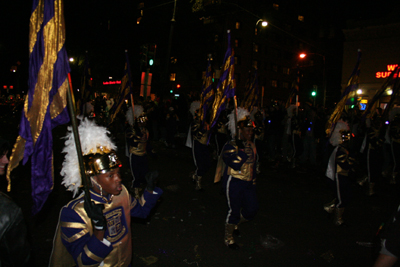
<point>302,55</point>
<point>110,78</point>
<point>264,23</point>
<point>151,61</point>
<point>77,90</point>
<point>386,122</point>
<point>171,91</point>
<point>359,92</point>
<point>71,59</point>
<point>178,86</point>
<point>389,92</point>
<point>4,86</point>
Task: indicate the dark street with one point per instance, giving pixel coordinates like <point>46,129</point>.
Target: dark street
<point>187,227</point>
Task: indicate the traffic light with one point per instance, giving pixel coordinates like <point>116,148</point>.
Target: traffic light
<point>151,54</point>
<point>313,93</point>
<point>143,55</point>
<point>178,86</point>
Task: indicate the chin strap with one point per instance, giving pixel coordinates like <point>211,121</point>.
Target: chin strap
<point>101,191</point>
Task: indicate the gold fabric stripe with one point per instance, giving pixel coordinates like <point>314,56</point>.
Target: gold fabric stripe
<point>54,38</point>
<point>75,236</point>
<point>16,156</point>
<point>35,22</point>
<point>59,100</point>
<point>73,225</point>
<point>92,255</point>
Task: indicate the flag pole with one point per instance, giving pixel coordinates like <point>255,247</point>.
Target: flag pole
<point>71,107</point>
<point>236,122</point>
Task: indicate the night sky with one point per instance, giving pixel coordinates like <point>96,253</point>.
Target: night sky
<point>107,28</point>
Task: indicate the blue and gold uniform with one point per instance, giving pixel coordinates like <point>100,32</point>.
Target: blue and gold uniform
<point>237,164</point>
<point>75,243</point>
<point>137,139</point>
<point>338,170</point>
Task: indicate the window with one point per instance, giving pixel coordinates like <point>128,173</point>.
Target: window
<point>255,48</point>
<point>285,70</point>
<point>237,60</point>
<point>300,18</point>
<point>255,63</point>
<point>237,25</point>
<point>237,43</point>
<point>274,83</point>
<point>172,77</point>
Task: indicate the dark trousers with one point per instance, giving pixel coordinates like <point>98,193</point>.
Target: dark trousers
<point>139,167</point>
<point>201,157</point>
<point>341,188</point>
<point>374,164</point>
<point>241,198</point>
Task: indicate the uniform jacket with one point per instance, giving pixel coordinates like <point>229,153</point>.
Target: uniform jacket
<point>74,242</point>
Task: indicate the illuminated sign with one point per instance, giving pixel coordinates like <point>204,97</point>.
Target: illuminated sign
<point>385,74</point>
<point>363,106</point>
<point>111,82</point>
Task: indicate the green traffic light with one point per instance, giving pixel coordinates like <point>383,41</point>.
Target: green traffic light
<point>171,91</point>
<point>313,93</point>
<point>151,61</point>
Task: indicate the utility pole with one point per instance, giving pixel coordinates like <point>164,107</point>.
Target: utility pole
<point>168,55</point>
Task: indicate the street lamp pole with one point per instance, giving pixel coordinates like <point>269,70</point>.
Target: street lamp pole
<point>264,24</point>
<point>303,55</point>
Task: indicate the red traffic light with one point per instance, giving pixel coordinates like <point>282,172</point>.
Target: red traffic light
<point>178,86</point>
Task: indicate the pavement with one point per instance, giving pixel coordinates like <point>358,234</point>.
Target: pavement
<point>186,228</point>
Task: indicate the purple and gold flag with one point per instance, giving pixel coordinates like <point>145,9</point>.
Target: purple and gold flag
<point>295,89</point>
<point>125,91</point>
<point>46,103</point>
<point>252,93</point>
<point>207,93</point>
<point>226,85</point>
<point>348,92</point>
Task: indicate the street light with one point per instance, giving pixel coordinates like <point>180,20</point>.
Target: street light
<point>264,23</point>
<point>304,55</point>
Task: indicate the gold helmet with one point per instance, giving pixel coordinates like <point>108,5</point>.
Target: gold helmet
<point>98,152</point>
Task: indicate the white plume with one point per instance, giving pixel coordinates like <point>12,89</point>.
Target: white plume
<point>242,113</point>
<point>336,137</point>
<point>129,116</point>
<point>138,111</point>
<point>92,137</point>
<point>194,106</point>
